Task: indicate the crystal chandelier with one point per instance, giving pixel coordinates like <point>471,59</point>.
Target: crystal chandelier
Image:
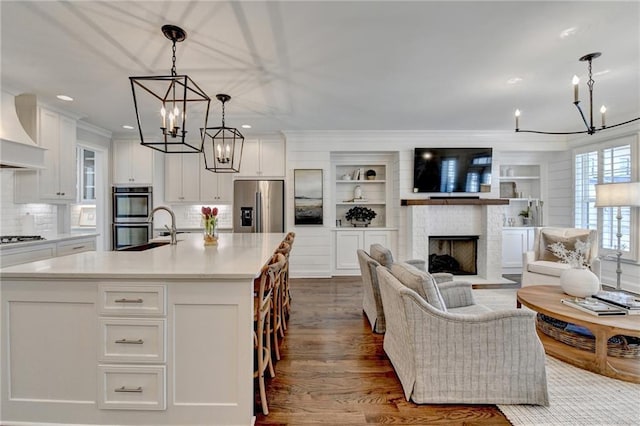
<point>163,104</point>
<point>591,129</point>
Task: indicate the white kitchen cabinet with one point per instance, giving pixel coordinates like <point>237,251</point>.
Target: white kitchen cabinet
<point>515,242</point>
<point>182,177</point>
<point>349,241</point>
<point>55,183</point>
<point>216,187</point>
<point>15,254</point>
<point>51,330</point>
<point>263,158</point>
<point>132,163</point>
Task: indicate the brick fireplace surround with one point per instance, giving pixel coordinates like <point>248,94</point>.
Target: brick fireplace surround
<point>458,216</point>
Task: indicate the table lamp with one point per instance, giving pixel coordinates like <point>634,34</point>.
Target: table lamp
<point>618,195</point>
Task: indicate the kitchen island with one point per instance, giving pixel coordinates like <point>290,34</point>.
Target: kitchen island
<point>162,336</point>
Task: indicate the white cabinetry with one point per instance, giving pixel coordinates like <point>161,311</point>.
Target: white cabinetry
<point>216,187</point>
<point>182,177</point>
<point>349,241</point>
<point>263,158</point>
<point>132,163</point>
<point>40,250</point>
<point>57,181</point>
<point>515,242</point>
<point>129,341</point>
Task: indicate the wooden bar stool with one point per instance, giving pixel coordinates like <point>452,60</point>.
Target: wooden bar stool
<point>262,301</point>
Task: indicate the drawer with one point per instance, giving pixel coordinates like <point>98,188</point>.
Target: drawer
<point>72,247</point>
<point>132,340</point>
<point>132,387</point>
<point>132,299</point>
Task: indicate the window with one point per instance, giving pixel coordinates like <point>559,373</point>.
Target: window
<point>605,165</point>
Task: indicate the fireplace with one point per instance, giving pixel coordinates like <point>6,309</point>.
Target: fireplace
<point>456,254</point>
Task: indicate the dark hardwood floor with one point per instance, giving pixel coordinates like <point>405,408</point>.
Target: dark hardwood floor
<point>334,371</point>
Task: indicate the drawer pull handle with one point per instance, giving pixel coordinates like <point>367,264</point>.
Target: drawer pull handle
<point>123,389</point>
<point>129,300</point>
<point>130,342</point>
<point>77,247</point>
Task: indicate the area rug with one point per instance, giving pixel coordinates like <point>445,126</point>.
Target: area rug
<point>577,396</point>
<point>580,397</point>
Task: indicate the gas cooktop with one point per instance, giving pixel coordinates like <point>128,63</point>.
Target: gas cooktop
<point>8,239</point>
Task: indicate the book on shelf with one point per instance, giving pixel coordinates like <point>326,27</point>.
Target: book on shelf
<point>628,302</point>
<point>594,307</point>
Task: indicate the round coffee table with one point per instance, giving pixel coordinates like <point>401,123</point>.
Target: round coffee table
<point>545,299</point>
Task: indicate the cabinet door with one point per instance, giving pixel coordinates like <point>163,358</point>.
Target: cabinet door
<point>48,135</point>
<point>67,167</point>
<point>377,237</point>
<point>514,244</point>
<point>250,165</point>
<point>121,162</point>
<point>182,177</point>
<point>347,244</point>
<point>272,161</point>
<point>140,163</point>
<point>216,187</point>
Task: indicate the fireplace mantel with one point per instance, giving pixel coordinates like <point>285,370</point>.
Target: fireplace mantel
<point>455,201</point>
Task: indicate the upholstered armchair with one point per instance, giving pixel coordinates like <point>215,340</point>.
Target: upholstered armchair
<point>542,267</point>
<point>371,301</point>
<point>444,357</point>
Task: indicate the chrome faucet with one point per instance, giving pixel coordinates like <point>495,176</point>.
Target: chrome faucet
<point>172,230</point>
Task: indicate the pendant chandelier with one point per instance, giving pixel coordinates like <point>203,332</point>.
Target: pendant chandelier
<point>591,129</point>
<point>164,103</point>
<point>222,146</point>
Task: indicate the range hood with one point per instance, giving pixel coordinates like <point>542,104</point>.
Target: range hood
<point>17,149</point>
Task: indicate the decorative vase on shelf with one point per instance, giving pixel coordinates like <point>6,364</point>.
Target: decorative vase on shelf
<point>360,222</point>
<point>579,282</point>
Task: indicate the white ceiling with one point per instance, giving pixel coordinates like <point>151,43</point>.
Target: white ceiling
<point>333,65</point>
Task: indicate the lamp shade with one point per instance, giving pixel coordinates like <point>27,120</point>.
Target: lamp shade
<point>618,194</point>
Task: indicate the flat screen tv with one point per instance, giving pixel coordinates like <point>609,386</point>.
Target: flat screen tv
<point>446,170</point>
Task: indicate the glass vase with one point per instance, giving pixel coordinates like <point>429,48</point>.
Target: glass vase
<point>209,236</point>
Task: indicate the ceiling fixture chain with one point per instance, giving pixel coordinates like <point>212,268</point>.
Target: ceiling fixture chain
<point>591,129</point>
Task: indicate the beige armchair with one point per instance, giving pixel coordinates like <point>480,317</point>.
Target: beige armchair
<point>371,301</point>
<point>542,267</point>
<point>443,357</point>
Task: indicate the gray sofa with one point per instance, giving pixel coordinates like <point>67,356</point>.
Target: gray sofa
<point>465,354</point>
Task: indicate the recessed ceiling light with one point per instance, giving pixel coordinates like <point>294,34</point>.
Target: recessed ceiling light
<point>514,80</point>
<point>568,32</point>
<point>65,98</point>
<point>246,126</point>
<point>126,126</point>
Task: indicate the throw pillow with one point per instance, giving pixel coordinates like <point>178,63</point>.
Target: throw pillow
<point>381,254</point>
<point>549,238</point>
<point>420,282</point>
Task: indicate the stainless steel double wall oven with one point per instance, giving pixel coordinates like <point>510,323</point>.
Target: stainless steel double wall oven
<point>131,208</point>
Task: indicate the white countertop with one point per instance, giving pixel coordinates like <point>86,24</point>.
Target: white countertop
<point>237,256</point>
<point>49,239</point>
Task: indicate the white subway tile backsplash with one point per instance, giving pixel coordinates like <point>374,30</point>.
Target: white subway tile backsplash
<point>22,219</point>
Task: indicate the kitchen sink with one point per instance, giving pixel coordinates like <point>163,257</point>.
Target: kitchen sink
<point>146,246</point>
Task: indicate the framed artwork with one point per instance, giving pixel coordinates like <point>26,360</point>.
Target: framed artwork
<point>87,216</point>
<point>307,189</point>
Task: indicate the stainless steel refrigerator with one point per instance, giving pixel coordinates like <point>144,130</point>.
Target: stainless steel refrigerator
<point>258,206</point>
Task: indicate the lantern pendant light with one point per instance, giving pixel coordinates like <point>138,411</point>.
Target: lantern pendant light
<point>222,146</point>
<point>164,103</point>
